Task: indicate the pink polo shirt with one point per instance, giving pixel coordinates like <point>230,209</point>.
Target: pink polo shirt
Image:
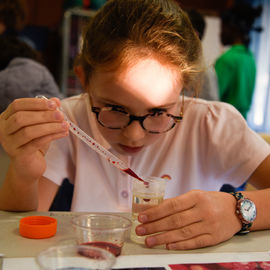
<point>212,145</point>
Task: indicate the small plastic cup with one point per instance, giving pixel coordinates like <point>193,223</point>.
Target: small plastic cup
<point>101,230</point>
<point>145,195</point>
<point>75,257</point>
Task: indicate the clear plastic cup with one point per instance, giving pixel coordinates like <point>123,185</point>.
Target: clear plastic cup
<point>145,196</point>
<point>76,257</point>
<point>102,230</point>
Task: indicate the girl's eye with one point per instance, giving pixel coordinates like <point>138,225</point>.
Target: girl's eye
<point>116,108</point>
<point>158,111</point>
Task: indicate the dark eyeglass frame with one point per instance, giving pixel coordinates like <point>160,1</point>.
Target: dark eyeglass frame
<point>132,118</point>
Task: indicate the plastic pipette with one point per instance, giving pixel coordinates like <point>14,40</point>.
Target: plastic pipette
<point>115,161</point>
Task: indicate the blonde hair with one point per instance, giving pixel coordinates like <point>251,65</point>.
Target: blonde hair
<point>125,30</point>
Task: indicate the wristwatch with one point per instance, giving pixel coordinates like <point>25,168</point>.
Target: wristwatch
<point>246,211</point>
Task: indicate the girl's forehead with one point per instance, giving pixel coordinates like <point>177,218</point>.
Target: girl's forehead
<point>147,80</point>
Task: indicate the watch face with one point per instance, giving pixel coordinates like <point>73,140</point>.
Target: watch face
<point>248,210</point>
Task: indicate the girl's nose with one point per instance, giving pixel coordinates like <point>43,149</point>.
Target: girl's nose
<point>134,131</point>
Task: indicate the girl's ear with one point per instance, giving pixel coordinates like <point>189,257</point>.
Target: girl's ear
<point>80,74</point>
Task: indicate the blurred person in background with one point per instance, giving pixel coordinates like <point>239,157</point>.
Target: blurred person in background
<point>12,20</point>
<point>22,73</point>
<point>209,87</point>
<point>236,68</point>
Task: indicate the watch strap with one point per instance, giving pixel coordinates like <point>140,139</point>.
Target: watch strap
<point>245,229</point>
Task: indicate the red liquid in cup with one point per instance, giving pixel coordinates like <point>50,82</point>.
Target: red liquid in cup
<point>113,248</point>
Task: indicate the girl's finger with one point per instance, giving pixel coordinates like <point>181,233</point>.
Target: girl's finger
<point>30,104</point>
<point>170,207</point>
<point>200,241</point>
<point>31,133</point>
<point>175,221</point>
<point>39,143</point>
<point>182,234</point>
<point>22,119</point>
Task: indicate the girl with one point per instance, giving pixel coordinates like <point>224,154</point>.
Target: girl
<point>137,57</point>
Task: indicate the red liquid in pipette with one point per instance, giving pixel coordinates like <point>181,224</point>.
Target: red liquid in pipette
<point>133,174</point>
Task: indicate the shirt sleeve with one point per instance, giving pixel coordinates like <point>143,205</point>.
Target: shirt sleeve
<point>235,150</point>
<point>59,160</point>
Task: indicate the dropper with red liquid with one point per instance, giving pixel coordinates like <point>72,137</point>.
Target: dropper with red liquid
<point>115,161</point>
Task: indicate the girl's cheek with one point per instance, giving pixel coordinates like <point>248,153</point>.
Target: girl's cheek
<point>152,138</point>
<point>109,134</point>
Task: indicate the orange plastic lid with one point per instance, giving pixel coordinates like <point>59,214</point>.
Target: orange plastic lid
<point>38,227</point>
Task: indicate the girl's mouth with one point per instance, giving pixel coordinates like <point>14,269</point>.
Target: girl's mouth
<point>131,149</point>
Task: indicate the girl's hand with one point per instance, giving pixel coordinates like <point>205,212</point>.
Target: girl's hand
<point>194,220</point>
<point>27,127</point>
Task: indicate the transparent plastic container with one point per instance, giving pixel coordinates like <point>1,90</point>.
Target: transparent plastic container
<point>143,197</point>
<point>102,230</point>
<point>80,257</point>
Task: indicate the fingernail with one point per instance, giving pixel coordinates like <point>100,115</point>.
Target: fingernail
<point>150,241</point>
<point>142,218</point>
<point>51,104</point>
<point>58,115</point>
<point>140,230</point>
<point>65,125</point>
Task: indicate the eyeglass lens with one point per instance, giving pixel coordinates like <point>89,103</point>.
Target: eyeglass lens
<point>158,122</point>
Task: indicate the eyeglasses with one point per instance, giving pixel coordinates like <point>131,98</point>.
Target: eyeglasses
<point>114,117</point>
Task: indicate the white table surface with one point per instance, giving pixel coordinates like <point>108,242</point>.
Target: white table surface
<point>17,249</point>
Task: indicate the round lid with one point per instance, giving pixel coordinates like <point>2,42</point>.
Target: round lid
<point>38,227</point>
